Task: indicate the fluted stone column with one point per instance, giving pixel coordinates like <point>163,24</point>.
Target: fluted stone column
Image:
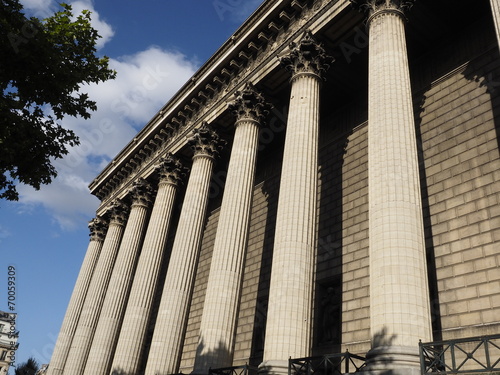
<point>166,345</point>
<point>131,342</point>
<point>98,228</point>
<point>113,309</point>
<point>495,8</point>
<point>288,329</point>
<point>218,323</point>
<point>84,333</point>
<point>399,293</point>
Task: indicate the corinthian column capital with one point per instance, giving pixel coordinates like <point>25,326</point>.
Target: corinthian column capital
<point>205,141</point>
<point>141,192</point>
<point>171,170</point>
<point>373,8</point>
<point>118,212</point>
<point>249,104</point>
<point>98,227</point>
<point>307,57</point>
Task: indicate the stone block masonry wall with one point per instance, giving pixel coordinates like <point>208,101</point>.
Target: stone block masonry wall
<point>356,301</point>
<point>342,262</point>
<point>198,297</point>
<point>249,343</point>
<point>460,141</point>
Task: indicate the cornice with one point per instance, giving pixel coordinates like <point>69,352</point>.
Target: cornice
<point>193,92</point>
<point>268,32</point>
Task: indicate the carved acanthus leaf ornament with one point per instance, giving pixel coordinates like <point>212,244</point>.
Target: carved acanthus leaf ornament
<point>372,7</point>
<point>249,104</point>
<point>118,212</point>
<point>307,56</point>
<point>205,141</point>
<point>170,169</point>
<point>98,227</point>
<point>141,192</point>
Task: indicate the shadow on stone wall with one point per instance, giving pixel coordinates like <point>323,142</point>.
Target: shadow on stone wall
<point>429,236</point>
<point>216,358</point>
<point>203,361</point>
<point>485,70</point>
<point>381,338</point>
<point>327,327</point>
<point>379,359</point>
<point>121,372</point>
<point>270,189</point>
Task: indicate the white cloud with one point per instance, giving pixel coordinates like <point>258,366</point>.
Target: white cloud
<point>46,8</point>
<point>145,81</point>
<point>69,203</point>
<point>104,29</point>
<point>39,8</point>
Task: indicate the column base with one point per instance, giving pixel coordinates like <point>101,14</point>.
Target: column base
<point>393,360</point>
<point>276,367</point>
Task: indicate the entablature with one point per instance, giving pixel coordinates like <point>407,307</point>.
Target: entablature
<point>250,55</point>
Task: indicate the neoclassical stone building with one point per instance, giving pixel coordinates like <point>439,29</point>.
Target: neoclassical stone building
<point>328,180</point>
<point>8,341</point>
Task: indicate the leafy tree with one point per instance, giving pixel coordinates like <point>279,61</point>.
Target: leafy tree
<point>43,66</point>
<point>30,367</point>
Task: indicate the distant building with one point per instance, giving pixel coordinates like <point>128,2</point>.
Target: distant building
<point>361,211</point>
<point>8,340</point>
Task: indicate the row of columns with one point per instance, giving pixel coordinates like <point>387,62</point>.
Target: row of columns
<point>132,338</point>
<point>98,229</point>
<point>399,297</point>
<point>165,351</point>
<point>218,323</point>
<point>84,333</point>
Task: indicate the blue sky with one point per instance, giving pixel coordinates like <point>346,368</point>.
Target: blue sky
<point>45,235</point>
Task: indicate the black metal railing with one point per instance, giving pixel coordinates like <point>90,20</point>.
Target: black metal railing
<point>461,356</point>
<point>330,364</point>
<point>234,370</point>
